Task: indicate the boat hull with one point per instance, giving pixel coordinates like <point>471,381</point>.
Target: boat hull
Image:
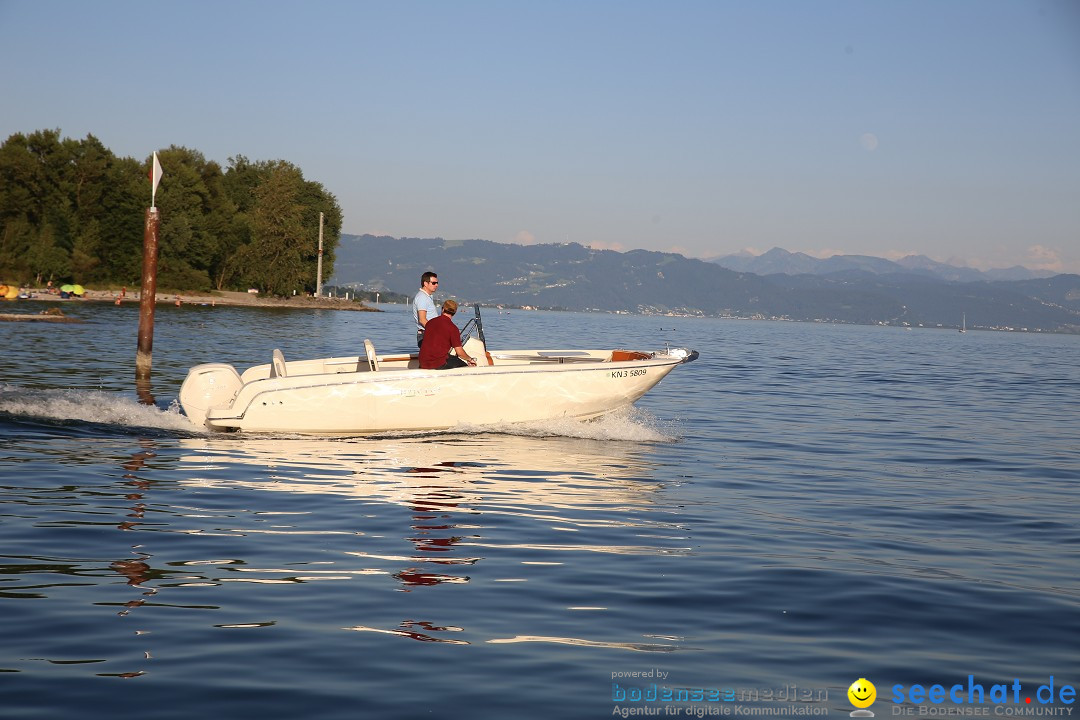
<point>364,401</point>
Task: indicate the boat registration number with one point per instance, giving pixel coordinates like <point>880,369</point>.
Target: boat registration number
<point>629,373</point>
<point>408,392</point>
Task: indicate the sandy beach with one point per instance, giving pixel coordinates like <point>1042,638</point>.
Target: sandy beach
<point>224,298</point>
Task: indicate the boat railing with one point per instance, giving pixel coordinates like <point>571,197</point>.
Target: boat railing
<point>558,359</point>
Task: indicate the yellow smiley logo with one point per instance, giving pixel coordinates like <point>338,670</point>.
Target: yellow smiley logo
<point>862,693</point>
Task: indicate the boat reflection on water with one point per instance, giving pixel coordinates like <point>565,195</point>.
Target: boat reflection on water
<point>515,501</point>
<point>451,484</point>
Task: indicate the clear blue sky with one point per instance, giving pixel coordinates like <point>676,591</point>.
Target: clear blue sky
<point>949,128</point>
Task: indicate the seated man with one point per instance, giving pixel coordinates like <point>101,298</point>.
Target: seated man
<point>440,335</point>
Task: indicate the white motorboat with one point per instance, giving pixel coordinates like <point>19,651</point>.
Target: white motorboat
<point>371,393</point>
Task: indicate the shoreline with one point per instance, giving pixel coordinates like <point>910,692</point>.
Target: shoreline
<point>223,298</point>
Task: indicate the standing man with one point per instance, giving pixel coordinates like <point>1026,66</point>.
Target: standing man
<point>423,307</point>
<point>442,336</point>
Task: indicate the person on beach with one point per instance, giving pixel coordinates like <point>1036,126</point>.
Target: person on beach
<point>423,307</point>
<point>440,336</point>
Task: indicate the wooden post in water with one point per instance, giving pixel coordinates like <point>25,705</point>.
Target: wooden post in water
<point>318,279</point>
<point>147,299</point>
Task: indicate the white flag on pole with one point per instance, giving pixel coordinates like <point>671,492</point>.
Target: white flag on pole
<point>155,178</point>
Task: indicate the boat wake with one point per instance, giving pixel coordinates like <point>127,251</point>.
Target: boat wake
<point>89,406</point>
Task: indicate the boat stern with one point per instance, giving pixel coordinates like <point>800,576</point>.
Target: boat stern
<point>208,386</point>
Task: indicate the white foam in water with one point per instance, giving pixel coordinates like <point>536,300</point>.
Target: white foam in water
<point>630,424</point>
<point>90,406</point>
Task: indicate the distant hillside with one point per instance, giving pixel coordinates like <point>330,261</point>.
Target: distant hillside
<point>778,261</point>
<point>570,276</point>
<point>863,297</point>
<point>567,276</point>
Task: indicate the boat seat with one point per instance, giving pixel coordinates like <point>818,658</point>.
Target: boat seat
<point>277,364</point>
<point>372,358</point>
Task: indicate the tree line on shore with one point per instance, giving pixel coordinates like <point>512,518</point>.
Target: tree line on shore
<point>72,211</point>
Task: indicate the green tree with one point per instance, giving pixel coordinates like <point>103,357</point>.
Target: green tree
<point>72,210</point>
<point>34,172</point>
<point>195,214</point>
<point>240,181</point>
<point>120,240</point>
<point>316,198</point>
<point>277,227</point>
<point>85,184</point>
<point>46,261</point>
<point>274,259</point>
<point>57,188</point>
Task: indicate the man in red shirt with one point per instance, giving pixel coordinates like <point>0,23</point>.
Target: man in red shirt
<point>440,335</point>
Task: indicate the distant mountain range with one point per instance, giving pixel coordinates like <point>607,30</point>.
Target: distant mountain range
<point>779,260</point>
<point>573,277</point>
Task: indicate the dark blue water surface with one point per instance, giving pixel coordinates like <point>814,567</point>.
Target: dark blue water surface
<point>804,506</point>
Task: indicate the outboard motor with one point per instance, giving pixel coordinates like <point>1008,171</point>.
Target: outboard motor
<point>208,386</point>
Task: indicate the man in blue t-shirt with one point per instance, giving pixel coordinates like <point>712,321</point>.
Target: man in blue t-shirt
<point>423,307</point>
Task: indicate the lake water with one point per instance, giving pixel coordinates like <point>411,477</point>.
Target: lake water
<point>805,505</point>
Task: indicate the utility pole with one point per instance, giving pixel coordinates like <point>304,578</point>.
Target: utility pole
<point>318,280</point>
